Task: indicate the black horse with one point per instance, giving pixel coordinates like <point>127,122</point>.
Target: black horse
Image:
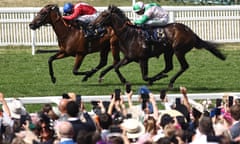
<point>174,38</point>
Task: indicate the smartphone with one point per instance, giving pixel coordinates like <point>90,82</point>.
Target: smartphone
<point>94,103</point>
<point>78,99</point>
<point>117,94</point>
<point>65,96</point>
<point>128,87</point>
<point>162,94</point>
<point>218,111</point>
<point>230,101</point>
<point>178,101</point>
<point>218,102</point>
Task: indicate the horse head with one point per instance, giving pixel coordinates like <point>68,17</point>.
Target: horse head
<point>106,17</point>
<point>47,15</point>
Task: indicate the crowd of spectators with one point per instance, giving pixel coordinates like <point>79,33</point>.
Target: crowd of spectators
<point>122,121</point>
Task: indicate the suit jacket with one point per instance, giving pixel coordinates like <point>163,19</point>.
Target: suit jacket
<point>235,130</point>
<point>78,125</point>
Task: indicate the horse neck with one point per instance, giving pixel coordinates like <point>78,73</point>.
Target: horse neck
<point>120,28</point>
<point>60,27</point>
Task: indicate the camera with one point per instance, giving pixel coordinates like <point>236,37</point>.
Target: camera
<point>117,94</point>
<point>128,87</point>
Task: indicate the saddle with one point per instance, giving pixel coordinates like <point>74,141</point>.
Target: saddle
<point>91,31</point>
<point>153,33</point>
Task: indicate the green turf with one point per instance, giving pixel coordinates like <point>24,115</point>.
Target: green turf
<point>22,74</point>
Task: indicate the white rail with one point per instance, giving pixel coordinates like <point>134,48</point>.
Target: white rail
<point>55,99</point>
<point>214,23</point>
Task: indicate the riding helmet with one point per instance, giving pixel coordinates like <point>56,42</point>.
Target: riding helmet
<point>138,6</point>
<point>67,8</point>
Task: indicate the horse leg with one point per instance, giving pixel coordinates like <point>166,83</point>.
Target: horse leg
<point>168,58</point>
<point>78,62</point>
<point>123,62</point>
<point>102,63</point>
<point>116,59</point>
<point>144,70</point>
<point>184,67</point>
<point>58,55</point>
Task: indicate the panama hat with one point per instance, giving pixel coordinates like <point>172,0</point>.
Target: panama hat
<point>134,128</point>
<point>16,108</point>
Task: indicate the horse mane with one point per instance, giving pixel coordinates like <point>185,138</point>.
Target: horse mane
<point>53,7</point>
<point>118,11</point>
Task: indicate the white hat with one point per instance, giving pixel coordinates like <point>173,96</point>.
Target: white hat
<point>16,108</point>
<point>197,106</point>
<point>134,128</point>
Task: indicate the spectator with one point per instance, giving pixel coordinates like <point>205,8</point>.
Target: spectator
<point>235,128</point>
<point>66,133</point>
<point>19,115</point>
<point>105,121</point>
<point>73,118</point>
<point>46,131</point>
<point>117,109</point>
<point>62,106</point>
<point>6,123</point>
<point>133,128</point>
<point>204,129</point>
<point>89,137</point>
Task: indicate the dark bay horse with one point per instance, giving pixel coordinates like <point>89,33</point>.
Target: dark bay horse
<point>72,42</point>
<point>178,39</point>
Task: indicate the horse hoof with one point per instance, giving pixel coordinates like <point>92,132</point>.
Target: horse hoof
<point>84,79</point>
<point>150,83</point>
<point>54,80</point>
<point>123,81</point>
<point>100,80</point>
<point>170,86</point>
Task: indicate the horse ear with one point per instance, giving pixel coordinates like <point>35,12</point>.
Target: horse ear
<point>54,7</point>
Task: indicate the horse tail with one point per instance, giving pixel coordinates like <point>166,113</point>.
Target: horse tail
<point>209,46</point>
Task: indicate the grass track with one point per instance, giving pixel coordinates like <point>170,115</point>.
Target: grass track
<point>22,74</point>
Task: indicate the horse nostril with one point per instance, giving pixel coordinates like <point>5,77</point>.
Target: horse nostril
<point>31,26</point>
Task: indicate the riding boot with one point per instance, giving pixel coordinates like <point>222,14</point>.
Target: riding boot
<point>100,31</point>
<point>81,24</point>
<point>89,32</point>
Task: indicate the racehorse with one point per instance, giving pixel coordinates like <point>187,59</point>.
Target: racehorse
<point>72,42</point>
<point>174,38</point>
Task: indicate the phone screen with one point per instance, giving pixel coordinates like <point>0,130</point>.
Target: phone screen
<point>218,102</point>
<point>230,101</point>
<point>78,99</point>
<point>128,87</point>
<point>117,94</point>
<point>162,94</point>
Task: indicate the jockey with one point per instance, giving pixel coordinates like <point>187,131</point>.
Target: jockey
<point>80,11</point>
<point>151,14</point>
<point>83,13</point>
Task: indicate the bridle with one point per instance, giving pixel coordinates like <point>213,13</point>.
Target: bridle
<point>43,15</point>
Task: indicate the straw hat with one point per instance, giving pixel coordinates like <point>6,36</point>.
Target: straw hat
<point>134,128</point>
<point>16,108</point>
